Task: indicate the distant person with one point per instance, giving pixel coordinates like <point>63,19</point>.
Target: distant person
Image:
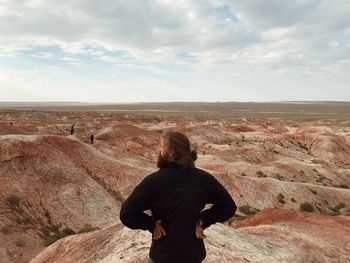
<point>92,138</point>
<point>176,195</point>
<point>72,129</point>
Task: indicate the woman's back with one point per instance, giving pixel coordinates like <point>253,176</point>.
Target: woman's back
<point>176,197</point>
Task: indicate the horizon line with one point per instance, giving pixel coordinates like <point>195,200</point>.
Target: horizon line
<point>139,102</point>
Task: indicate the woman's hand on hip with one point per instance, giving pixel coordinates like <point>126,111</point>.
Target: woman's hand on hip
<point>199,230</point>
<point>158,230</point>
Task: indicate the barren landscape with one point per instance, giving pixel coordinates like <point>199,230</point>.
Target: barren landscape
<point>287,166</point>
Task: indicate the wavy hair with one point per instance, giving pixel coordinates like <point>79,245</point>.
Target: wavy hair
<point>176,147</point>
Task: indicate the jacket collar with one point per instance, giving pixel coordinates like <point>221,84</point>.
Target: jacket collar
<point>170,164</point>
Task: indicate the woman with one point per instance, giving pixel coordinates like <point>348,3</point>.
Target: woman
<point>176,195</point>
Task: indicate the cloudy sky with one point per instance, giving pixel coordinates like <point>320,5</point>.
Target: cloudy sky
<point>174,50</point>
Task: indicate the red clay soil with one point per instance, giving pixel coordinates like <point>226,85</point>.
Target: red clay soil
<point>270,216</point>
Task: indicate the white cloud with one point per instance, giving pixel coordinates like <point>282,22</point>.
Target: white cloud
<point>235,39</point>
<point>44,55</point>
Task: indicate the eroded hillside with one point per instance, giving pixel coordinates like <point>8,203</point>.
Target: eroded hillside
<point>55,184</point>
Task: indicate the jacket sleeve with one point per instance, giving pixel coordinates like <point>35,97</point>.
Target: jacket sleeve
<point>223,207</point>
<point>131,212</point>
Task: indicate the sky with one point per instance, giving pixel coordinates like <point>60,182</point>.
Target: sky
<point>174,50</point>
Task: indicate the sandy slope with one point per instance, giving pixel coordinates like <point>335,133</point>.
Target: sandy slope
<point>291,236</point>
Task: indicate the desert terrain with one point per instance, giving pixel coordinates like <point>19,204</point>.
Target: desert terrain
<point>286,165</point>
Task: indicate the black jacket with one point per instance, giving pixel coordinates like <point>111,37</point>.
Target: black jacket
<point>177,197</point>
